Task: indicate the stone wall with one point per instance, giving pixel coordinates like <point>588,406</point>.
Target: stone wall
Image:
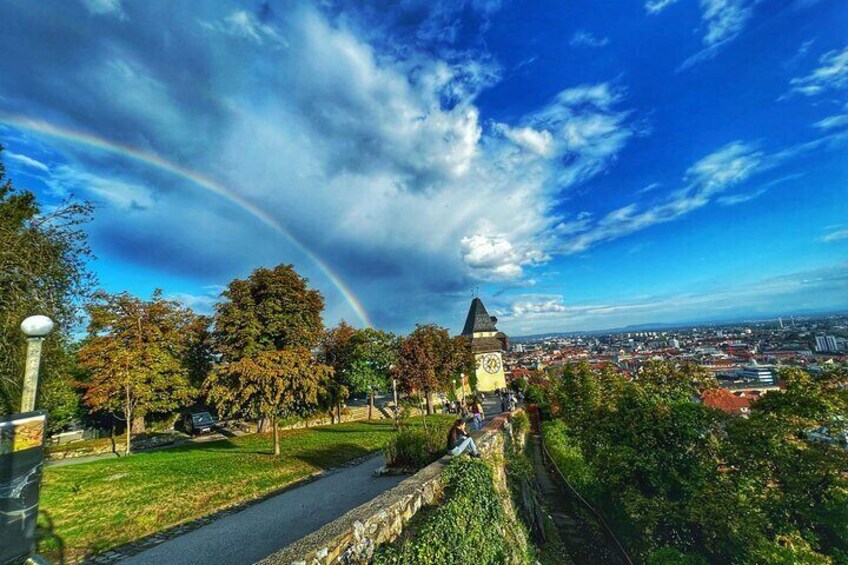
<point>353,537</point>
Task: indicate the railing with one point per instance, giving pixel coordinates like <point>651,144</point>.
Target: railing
<point>585,502</point>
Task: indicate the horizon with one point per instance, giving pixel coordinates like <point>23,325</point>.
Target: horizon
<point>584,167</point>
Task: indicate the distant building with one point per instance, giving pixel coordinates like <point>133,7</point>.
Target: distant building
<point>756,373</point>
<point>488,344</point>
<point>826,344</point>
<point>674,343</point>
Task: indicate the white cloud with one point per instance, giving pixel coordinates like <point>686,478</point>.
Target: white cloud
<point>770,295</point>
<point>244,25</point>
<point>728,166</point>
<point>657,6</point>
<point>104,7</point>
<point>725,19</point>
<point>28,161</point>
<point>123,195</point>
<point>734,199</point>
<point>831,74</point>
<point>582,38</point>
<point>835,236</point>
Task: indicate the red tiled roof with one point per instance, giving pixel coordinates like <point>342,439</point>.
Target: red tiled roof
<point>725,400</point>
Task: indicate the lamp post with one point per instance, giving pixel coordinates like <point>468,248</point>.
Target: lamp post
<point>36,329</point>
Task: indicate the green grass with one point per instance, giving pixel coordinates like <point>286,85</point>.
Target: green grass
<point>91,507</point>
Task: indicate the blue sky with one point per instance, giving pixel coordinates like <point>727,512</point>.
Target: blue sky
<point>585,165</point>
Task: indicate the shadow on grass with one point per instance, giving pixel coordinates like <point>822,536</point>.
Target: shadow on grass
<point>332,455</point>
<point>49,543</point>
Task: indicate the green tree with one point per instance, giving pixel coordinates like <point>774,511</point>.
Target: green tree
<point>269,385</point>
<point>373,355</point>
<point>43,270</point>
<point>137,356</point>
<point>263,331</point>
<point>272,309</point>
<point>336,349</point>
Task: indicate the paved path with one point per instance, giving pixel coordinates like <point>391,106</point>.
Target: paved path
<point>261,529</point>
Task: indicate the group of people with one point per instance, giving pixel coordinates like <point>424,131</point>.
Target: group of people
<point>471,410</point>
<point>509,399</point>
<point>468,409</point>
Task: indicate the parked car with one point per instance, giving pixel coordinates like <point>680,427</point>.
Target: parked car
<point>196,423</point>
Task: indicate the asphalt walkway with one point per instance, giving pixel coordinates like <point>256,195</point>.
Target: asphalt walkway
<point>260,530</point>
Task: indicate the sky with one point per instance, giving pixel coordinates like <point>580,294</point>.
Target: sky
<point>580,165</point>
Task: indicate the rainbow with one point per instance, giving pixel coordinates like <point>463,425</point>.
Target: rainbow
<point>149,159</point>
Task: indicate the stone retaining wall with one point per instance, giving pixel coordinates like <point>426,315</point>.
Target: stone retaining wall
<point>353,537</point>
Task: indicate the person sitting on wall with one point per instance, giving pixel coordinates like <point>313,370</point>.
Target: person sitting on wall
<point>459,441</point>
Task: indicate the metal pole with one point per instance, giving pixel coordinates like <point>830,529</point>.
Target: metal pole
<point>33,361</point>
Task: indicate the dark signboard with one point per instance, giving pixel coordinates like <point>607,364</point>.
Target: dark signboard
<point>21,459</point>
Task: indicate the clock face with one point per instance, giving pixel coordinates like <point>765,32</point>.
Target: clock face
<point>492,363</point>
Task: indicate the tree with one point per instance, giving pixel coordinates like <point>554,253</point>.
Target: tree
<point>43,270</point>
<point>264,331</point>
<point>136,354</point>
<point>373,355</point>
<point>336,349</point>
<point>270,384</point>
<point>429,361</point>
<point>272,309</point>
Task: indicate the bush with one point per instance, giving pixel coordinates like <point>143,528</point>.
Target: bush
<point>471,526</point>
<point>569,459</point>
<point>520,423</point>
<point>414,447</point>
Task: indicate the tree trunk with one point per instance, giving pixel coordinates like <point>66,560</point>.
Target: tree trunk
<point>339,413</point>
<point>128,413</point>
<point>370,405</point>
<point>429,402</point>
<point>138,425</point>
<point>276,433</point>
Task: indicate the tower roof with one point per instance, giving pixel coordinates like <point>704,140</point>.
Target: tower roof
<point>478,319</point>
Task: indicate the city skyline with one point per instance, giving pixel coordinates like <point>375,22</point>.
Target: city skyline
<point>584,169</point>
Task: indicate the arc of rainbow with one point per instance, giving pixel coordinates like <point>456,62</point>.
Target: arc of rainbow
<point>152,160</point>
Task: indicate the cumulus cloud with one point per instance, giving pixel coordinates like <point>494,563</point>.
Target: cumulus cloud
<point>370,151</point>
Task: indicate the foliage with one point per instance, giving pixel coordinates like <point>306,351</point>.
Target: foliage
<point>272,309</point>
<point>373,354</point>
<point>136,355</point>
<point>695,484</point>
<point>418,446</point>
<point>270,384</point>
<point>520,423</point>
<point>470,526</point>
<point>102,504</point>
<point>431,361</point>
<point>43,270</point>
<point>263,332</point>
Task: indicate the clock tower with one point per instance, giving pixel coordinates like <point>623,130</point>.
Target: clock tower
<point>488,344</point>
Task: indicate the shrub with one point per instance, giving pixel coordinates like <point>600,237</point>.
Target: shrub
<point>569,459</point>
<point>414,447</point>
<point>520,423</point>
<point>471,526</point>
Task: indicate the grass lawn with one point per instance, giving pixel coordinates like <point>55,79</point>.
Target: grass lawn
<point>91,507</point>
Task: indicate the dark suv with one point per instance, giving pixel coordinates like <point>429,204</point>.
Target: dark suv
<point>196,423</point>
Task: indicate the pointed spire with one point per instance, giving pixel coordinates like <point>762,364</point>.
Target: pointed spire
<point>478,319</point>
